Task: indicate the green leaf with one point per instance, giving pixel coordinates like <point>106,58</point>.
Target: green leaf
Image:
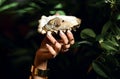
<point>99,69</point>
<point>113,41</point>
<point>118,37</point>
<point>32,4</point>
<point>118,17</point>
<point>9,6</point>
<point>107,46</point>
<point>1,2</point>
<point>75,45</point>
<point>28,9</point>
<point>59,12</point>
<point>80,43</point>
<point>106,27</point>
<point>85,33</point>
<point>52,12</point>
<point>115,28</point>
<point>58,6</point>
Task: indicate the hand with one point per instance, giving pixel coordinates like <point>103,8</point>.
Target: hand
<point>50,47</point>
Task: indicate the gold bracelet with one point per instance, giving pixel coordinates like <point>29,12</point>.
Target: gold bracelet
<point>39,72</point>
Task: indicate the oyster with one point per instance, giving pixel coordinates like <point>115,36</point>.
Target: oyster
<point>58,22</point>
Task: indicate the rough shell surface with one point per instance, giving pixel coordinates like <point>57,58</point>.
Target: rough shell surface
<point>58,22</point>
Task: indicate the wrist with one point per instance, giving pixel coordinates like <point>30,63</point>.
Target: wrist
<point>39,72</point>
<point>42,66</point>
<point>40,61</point>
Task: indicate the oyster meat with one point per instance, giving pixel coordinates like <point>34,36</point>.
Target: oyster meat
<point>58,22</point>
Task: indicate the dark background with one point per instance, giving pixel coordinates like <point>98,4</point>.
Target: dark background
<point>19,38</point>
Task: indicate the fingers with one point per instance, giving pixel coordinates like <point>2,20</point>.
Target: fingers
<point>57,45</point>
<point>70,37</point>
<point>46,53</point>
<point>63,37</point>
<point>68,40</point>
<point>51,38</point>
<point>51,50</point>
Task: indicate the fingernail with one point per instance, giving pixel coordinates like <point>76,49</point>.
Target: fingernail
<point>53,52</point>
<point>48,33</point>
<point>47,45</point>
<point>68,31</point>
<point>61,32</point>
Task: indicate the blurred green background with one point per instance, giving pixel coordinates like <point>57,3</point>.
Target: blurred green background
<point>95,55</point>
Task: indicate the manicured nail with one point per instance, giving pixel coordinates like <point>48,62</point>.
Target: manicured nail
<point>68,31</point>
<point>51,51</point>
<point>48,33</point>
<point>47,45</point>
<point>61,32</point>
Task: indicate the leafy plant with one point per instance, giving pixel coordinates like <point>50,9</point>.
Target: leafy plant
<point>107,63</point>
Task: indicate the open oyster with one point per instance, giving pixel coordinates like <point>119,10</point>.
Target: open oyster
<point>58,22</point>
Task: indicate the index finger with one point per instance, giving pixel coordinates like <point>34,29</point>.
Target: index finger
<point>56,44</point>
<point>50,37</point>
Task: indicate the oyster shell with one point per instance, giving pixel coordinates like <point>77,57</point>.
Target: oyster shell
<point>58,22</point>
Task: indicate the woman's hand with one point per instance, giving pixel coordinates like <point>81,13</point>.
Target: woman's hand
<point>50,47</point>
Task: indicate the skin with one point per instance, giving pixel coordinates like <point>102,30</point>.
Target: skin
<point>50,48</point>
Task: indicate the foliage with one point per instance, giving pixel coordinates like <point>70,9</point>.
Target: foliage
<point>107,63</point>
